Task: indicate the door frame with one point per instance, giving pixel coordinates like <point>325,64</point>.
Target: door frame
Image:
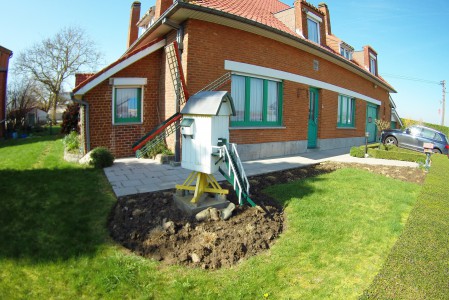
<point>376,107</point>
<point>316,116</point>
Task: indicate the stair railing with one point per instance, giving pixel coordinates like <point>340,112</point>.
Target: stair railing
<point>240,166</point>
<point>223,152</point>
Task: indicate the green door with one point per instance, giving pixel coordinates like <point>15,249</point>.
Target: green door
<point>312,133</point>
<point>371,116</point>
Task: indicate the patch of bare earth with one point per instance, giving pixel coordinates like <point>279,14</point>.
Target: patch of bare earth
<point>150,224</point>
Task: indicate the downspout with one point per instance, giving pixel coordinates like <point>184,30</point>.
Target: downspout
<point>86,104</point>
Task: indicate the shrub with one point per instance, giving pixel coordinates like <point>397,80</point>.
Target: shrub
<point>101,157</point>
<point>72,142</point>
<point>397,155</point>
<point>70,119</point>
<point>159,148</point>
<point>357,152</point>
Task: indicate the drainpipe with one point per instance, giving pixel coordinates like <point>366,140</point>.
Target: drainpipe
<point>86,104</point>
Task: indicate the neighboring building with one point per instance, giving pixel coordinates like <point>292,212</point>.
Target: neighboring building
<point>295,85</point>
<point>396,122</point>
<point>36,116</point>
<point>5,55</point>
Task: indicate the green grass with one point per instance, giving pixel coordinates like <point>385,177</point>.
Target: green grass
<point>54,242</point>
<point>418,266</point>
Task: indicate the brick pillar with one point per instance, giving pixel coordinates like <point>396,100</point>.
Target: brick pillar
<point>327,19</point>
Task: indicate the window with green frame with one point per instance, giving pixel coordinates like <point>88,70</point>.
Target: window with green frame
<point>127,105</point>
<point>257,102</point>
<point>346,111</point>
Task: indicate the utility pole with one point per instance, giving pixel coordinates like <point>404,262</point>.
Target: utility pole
<point>443,83</point>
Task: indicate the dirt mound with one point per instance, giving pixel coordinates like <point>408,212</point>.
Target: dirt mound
<point>151,225</point>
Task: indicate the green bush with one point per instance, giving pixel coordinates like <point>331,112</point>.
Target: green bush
<point>101,157</point>
<point>388,152</point>
<point>357,152</point>
<point>72,142</point>
<point>443,129</point>
<point>389,147</point>
<point>70,118</point>
<point>159,148</point>
<point>397,155</point>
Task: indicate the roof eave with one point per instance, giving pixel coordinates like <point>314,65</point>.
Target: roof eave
<point>176,11</point>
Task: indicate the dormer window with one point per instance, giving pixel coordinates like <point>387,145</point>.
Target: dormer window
<point>346,51</point>
<point>372,64</point>
<point>313,27</point>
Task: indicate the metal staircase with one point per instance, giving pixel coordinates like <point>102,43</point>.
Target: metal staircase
<point>177,75</point>
<point>234,173</point>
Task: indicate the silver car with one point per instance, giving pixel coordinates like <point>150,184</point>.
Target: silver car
<point>414,137</point>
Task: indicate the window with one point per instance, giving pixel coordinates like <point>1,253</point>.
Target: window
<point>313,29</point>
<point>127,105</point>
<point>346,111</point>
<point>346,52</point>
<point>257,101</point>
<point>372,65</point>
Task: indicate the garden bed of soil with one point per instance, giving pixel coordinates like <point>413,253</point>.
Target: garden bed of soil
<point>152,226</point>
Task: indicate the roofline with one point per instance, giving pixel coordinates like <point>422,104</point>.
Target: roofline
<point>178,5</point>
<point>3,49</point>
<point>115,67</point>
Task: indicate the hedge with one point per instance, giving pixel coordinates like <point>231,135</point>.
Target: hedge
<point>388,152</point>
<point>418,265</point>
<point>397,155</point>
<point>443,129</point>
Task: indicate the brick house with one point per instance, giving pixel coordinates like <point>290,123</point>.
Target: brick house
<point>5,55</point>
<point>295,85</point>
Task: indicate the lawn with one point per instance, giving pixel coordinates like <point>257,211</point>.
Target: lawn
<point>339,230</point>
<point>418,265</point>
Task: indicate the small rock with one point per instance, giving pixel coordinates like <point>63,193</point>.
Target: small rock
<point>195,258</point>
<point>136,212</point>
<point>214,214</point>
<point>203,215</point>
<point>169,227</point>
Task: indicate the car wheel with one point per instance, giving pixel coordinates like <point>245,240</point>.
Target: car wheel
<point>436,151</point>
<point>391,140</point>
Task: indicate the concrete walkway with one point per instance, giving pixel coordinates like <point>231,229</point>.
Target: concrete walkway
<point>133,176</point>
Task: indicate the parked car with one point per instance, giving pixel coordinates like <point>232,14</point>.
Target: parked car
<point>414,137</point>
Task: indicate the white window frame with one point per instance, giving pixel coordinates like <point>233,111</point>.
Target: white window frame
<point>317,20</point>
<point>373,64</point>
<point>344,50</point>
<point>128,83</point>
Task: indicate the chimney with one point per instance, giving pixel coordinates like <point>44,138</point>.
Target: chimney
<point>80,77</point>
<point>327,18</point>
<point>161,7</point>
<point>299,18</point>
<point>133,32</point>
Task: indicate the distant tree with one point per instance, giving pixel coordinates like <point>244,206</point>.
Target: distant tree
<point>54,59</point>
<point>21,99</point>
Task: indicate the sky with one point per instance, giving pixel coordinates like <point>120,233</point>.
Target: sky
<point>411,38</point>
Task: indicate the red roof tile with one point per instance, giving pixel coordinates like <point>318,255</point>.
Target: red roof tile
<point>261,11</point>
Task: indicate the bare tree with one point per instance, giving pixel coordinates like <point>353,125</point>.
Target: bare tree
<point>21,99</point>
<point>53,60</point>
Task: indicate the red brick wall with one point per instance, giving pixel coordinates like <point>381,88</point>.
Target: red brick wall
<point>208,45</point>
<point>119,138</point>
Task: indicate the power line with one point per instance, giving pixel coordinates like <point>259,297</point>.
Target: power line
<point>404,77</point>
